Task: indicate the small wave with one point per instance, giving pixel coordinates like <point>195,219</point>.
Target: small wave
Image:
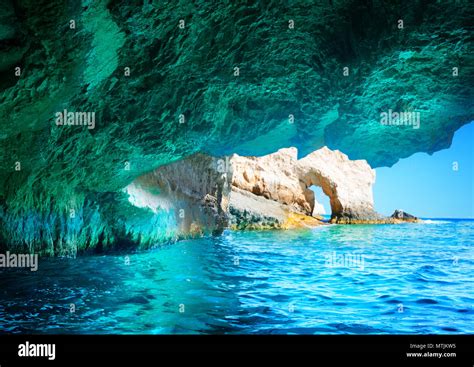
<point>426,301</point>
<point>431,221</point>
<point>450,329</point>
<point>431,270</point>
<point>355,328</point>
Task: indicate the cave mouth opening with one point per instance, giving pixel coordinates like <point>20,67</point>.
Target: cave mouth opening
<point>322,205</point>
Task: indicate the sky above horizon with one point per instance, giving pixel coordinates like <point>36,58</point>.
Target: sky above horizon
<point>425,185</point>
<point>429,186</point>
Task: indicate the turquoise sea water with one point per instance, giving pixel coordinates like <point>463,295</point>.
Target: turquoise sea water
<point>364,279</point>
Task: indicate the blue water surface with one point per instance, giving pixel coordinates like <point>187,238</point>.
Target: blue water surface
<point>403,279</point>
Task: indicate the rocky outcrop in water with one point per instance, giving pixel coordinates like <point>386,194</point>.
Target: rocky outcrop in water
<point>266,192</point>
<point>347,183</point>
<point>401,216</point>
<point>208,194</point>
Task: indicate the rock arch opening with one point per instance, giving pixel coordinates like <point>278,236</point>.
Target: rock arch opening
<point>322,205</point>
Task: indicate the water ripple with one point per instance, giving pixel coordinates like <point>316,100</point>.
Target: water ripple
<point>391,279</point>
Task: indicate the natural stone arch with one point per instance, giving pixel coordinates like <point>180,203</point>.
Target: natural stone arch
<point>315,178</point>
<point>320,206</point>
<point>347,183</point>
<point>272,191</point>
<point>280,177</point>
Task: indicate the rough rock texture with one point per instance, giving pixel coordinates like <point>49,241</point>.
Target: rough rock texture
<point>207,194</point>
<point>182,95</point>
<point>266,192</point>
<point>192,189</point>
<point>273,177</point>
<point>203,194</point>
<point>249,211</point>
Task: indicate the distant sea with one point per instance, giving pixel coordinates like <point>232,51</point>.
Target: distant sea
<point>335,279</point>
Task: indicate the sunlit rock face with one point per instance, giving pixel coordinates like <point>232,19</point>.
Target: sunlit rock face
<point>347,183</point>
<point>167,80</point>
<point>202,195</point>
<point>208,194</point>
<point>266,192</point>
<point>273,177</point>
<point>282,178</point>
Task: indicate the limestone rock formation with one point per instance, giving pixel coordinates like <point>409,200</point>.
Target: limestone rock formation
<point>162,93</point>
<point>250,211</point>
<point>347,183</point>
<point>271,177</point>
<point>203,195</point>
<point>282,178</point>
<point>207,194</point>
